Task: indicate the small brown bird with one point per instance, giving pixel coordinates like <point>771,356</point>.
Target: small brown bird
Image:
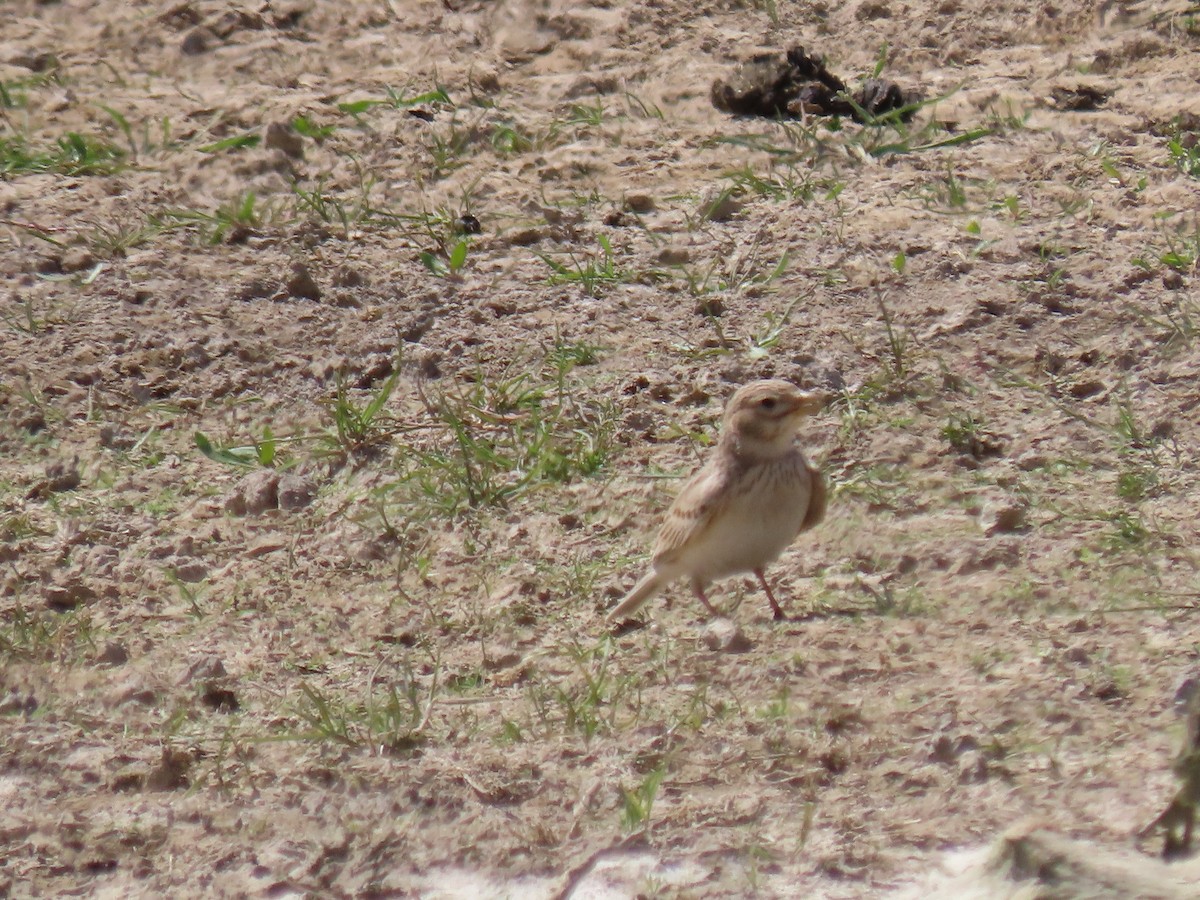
<point>756,492</point>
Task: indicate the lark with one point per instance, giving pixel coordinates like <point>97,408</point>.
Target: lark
<point>756,492</point>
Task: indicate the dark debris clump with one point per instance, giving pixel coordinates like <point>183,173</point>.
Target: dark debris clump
<point>799,84</point>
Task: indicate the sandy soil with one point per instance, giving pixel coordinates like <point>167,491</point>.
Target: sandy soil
<point>359,648</point>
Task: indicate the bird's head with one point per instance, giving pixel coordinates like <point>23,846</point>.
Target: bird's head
<point>762,416</point>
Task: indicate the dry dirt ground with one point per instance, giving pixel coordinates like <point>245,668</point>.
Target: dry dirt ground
<point>358,648</point>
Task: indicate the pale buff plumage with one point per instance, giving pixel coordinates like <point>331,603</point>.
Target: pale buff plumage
<point>741,510</point>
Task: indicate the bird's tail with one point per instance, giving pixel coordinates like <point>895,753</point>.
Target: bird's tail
<point>652,582</point>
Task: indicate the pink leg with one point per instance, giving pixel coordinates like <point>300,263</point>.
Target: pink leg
<point>775,607</point>
<point>698,590</point>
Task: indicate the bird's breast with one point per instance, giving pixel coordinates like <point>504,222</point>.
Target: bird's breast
<point>759,520</point>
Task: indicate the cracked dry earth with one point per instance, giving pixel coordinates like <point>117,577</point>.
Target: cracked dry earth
<point>358,648</point>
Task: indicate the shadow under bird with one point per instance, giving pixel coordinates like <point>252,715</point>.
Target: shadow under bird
<point>754,494</point>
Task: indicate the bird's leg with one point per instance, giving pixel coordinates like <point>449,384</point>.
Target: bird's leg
<point>775,607</point>
<point>698,590</point>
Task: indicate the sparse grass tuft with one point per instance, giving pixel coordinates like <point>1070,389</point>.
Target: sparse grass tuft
<point>592,272</point>
<point>358,430</point>
<point>1184,149</point>
<point>447,263</point>
<point>1176,324</point>
<point>595,697</point>
<point>1179,248</point>
<point>638,803</point>
<point>508,435</point>
<point>384,724</point>
<point>259,453</point>
<point>74,154</point>
<point>41,636</point>
<point>33,316</point>
<point>230,223</point>
<point>397,99</point>
<point>897,360</point>
<point>14,94</point>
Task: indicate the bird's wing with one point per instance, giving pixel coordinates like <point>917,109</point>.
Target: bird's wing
<point>692,512</point>
<point>818,497</point>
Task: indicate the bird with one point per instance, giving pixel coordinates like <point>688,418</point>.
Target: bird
<point>754,494</point>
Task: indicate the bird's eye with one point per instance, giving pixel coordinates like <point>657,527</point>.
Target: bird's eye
<point>767,402</point>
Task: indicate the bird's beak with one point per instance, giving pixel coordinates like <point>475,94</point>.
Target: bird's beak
<point>811,402</point>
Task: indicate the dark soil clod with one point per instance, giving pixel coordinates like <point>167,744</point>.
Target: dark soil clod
<point>799,84</point>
